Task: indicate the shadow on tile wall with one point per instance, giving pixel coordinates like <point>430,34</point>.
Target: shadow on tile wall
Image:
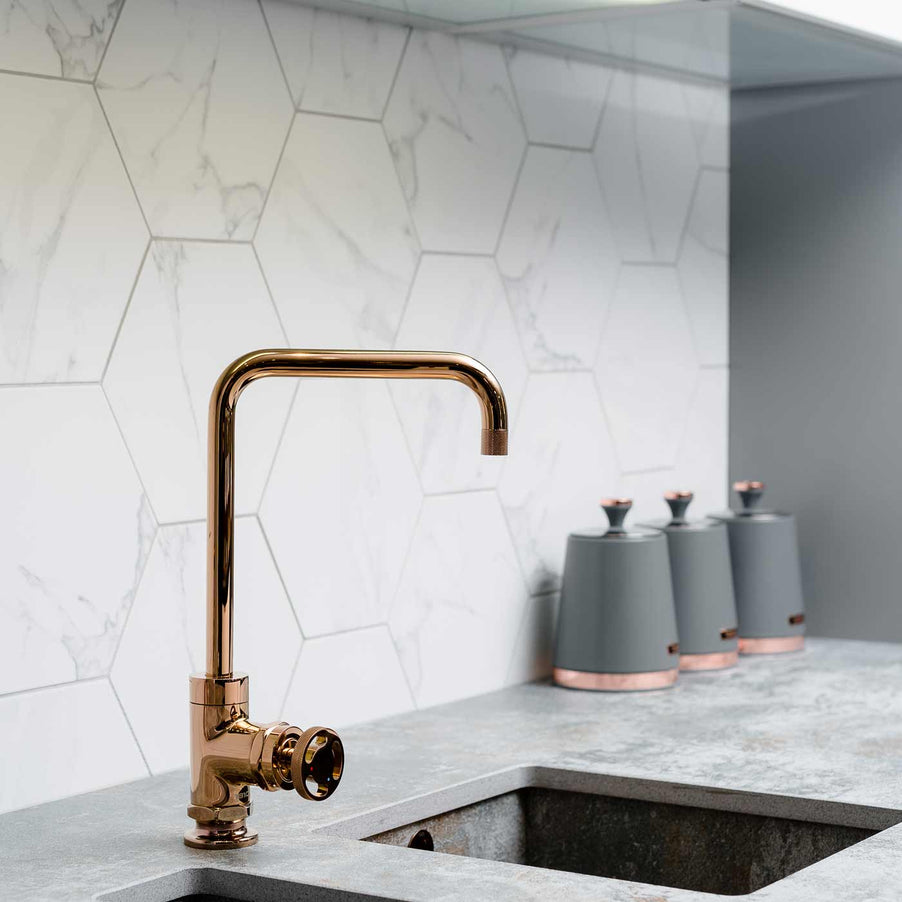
<point>184,182</point>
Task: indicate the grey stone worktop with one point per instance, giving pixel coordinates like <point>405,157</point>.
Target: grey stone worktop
<point>824,725</point>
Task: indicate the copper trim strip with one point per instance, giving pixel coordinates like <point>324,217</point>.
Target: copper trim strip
<point>775,645</point>
<point>615,682</point>
<point>730,633</point>
<point>716,660</point>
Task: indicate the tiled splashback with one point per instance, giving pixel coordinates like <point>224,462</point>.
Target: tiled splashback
<point>220,176</point>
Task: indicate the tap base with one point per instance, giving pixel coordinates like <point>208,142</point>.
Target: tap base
<point>233,835</point>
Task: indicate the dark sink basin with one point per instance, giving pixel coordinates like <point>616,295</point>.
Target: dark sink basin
<point>701,847</point>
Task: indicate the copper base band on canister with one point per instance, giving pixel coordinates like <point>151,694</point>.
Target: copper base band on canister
<point>715,660</point>
<point>775,645</point>
<point>615,682</point>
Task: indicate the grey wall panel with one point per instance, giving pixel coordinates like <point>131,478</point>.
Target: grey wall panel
<point>816,336</point>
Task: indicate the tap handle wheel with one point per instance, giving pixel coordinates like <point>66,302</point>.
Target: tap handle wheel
<point>317,763</point>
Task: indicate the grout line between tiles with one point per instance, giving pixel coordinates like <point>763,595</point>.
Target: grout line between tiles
<point>282,582</point>
<point>125,309</point>
<point>45,77</point>
<point>128,723</point>
<point>33,690</point>
<point>125,168</point>
<point>109,41</point>
<point>394,81</point>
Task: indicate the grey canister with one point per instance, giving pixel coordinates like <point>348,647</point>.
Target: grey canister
<point>617,626</point>
<point>767,578</point>
<point>702,587</point>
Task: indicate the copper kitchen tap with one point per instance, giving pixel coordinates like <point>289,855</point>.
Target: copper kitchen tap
<point>229,753</point>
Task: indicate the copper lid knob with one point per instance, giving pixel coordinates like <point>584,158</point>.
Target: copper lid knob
<point>678,502</point>
<point>317,763</point>
<point>749,492</point>
<point>616,510</point>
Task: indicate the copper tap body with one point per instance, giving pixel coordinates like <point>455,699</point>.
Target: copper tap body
<point>230,753</point>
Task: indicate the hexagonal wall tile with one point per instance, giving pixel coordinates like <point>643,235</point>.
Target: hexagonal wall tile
<point>348,678</point>
<point>165,636</point>
<point>561,463</point>
<point>76,540</point>
<point>200,110</point>
<point>561,99</point>
<point>647,161</point>
<point>65,38</point>
<point>460,601</point>
<point>709,111</point>
<point>704,268</point>
<point>336,241</point>
<point>457,139</point>
<point>71,237</point>
<point>99,747</point>
<point>341,505</point>
<point>558,259</point>
<point>646,376</point>
<point>456,302</point>
<point>196,307</point>
<point>343,65</point>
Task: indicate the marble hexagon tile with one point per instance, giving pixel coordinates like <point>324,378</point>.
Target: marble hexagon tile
<point>457,139</point>
<point>336,241</point>
<point>343,65</point>
<point>71,233</point>
<point>348,678</point>
<point>561,99</point>
<point>704,267</point>
<point>647,162</point>
<point>709,112</point>
<point>562,462</point>
<point>65,38</point>
<point>647,368</point>
<point>196,307</point>
<point>200,110</point>
<point>75,537</point>
<point>100,750</point>
<point>341,504</point>
<point>558,259</point>
<point>456,303</point>
<point>460,601</point>
<point>534,649</point>
<point>165,636</point>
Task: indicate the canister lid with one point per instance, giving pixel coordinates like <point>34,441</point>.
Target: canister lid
<point>750,492</point>
<point>678,502</point>
<point>616,510</point>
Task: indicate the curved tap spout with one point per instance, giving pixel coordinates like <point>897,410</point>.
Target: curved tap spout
<point>229,752</point>
<point>287,362</point>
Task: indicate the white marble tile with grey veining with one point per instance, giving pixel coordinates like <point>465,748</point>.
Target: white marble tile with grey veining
<point>559,259</point>
<point>534,649</point>
<point>363,675</point>
<point>647,376</point>
<point>341,505</point>
<point>200,111</point>
<point>336,241</point>
<point>337,64</point>
<point>704,267</point>
<point>647,162</point>
<point>196,307</point>
<point>64,38</point>
<point>74,539</point>
<point>457,139</point>
<point>165,636</point>
<point>71,233</point>
<point>456,303</point>
<point>563,463</point>
<point>95,746</point>
<point>460,600</point>
<point>709,112</point>
<point>561,99</point>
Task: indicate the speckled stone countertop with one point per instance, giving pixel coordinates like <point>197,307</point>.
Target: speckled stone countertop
<point>823,725</point>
